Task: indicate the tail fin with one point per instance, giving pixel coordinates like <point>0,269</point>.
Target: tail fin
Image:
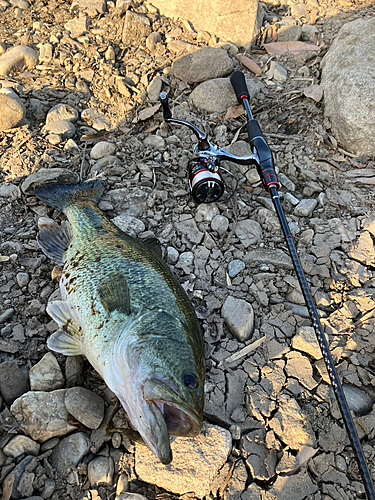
<point>58,195</point>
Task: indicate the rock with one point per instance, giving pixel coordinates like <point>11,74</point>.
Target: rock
<point>196,462</point>
<point>288,32</point>
<point>17,59</point>
<point>13,382</point>
<point>186,262</point>
<point>105,163</point>
<point>279,73</point>
<point>349,86</point>
<point>73,371</point>
<point>305,207</point>
<point>19,445</point>
<point>95,119</point>
<point>291,425</point>
<point>22,279</point>
<point>236,22</point>
<point>360,399</point>
<point>299,367</point>
<point>69,452</point>
<point>46,53</point>
<point>42,415</point>
<point>101,149</point>
<point>293,487</point>
<point>46,375</point>
<point>154,141</point>
<point>62,112</point>
<point>220,224</point>
<point>85,406</point>
<point>64,128</point>
<point>136,28</point>
<point>203,64</point>
<point>92,7</point>
<point>237,482</point>
<point>13,111</point>
<point>18,472</point>
<point>305,341</point>
<point>235,267</point>
<point>46,175</point>
<point>10,191</point>
<point>239,317</point>
<point>5,315</point>
<point>101,470</point>
<point>172,255</point>
<point>268,256</point>
<point>152,40</point>
<point>154,89</point>
<point>363,250</point>
<point>130,496</point>
<point>206,212</point>
<point>217,95</point>
<point>188,228</point>
<point>248,231</point>
<point>129,224</point>
<point>78,26</point>
<point>48,489</point>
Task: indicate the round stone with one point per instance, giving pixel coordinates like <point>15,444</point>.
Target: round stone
<point>16,59</point>
<point>64,128</point>
<point>101,149</point>
<point>61,112</point>
<point>220,224</point>
<point>86,406</point>
<point>101,470</point>
<point>235,267</point>
<point>12,113</point>
<point>19,445</point>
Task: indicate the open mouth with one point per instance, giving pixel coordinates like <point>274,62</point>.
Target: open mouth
<point>180,418</point>
<point>179,422</point>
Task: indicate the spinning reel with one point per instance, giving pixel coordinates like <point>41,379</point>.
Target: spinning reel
<point>205,181</point>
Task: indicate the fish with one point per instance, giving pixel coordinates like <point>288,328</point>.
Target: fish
<point>124,310</point>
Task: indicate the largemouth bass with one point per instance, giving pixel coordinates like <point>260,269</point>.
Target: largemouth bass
<point>124,310</point>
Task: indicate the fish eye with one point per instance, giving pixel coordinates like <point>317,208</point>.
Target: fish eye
<point>190,380</point>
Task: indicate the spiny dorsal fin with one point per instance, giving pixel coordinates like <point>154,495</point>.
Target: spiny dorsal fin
<point>154,245</point>
<point>113,294</point>
<point>54,241</point>
<point>65,316</point>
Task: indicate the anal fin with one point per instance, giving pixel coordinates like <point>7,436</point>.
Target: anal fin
<point>114,295</point>
<point>64,343</point>
<point>54,241</point>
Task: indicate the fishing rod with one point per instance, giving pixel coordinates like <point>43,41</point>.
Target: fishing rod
<point>207,186</point>
<point>270,183</point>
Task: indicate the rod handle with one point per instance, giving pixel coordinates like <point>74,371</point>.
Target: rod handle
<point>163,97</point>
<point>237,79</point>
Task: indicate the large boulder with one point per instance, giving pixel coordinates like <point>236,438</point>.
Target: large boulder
<point>237,22</point>
<point>348,79</point>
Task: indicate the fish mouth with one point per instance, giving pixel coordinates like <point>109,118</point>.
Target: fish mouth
<point>173,415</point>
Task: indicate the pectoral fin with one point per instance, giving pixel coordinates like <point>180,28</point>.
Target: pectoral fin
<point>114,294</point>
<point>54,241</point>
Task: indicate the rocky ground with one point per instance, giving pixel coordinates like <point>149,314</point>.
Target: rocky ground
<point>272,427</point>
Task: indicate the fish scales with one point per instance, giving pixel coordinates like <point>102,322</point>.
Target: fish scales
<point>125,311</point>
